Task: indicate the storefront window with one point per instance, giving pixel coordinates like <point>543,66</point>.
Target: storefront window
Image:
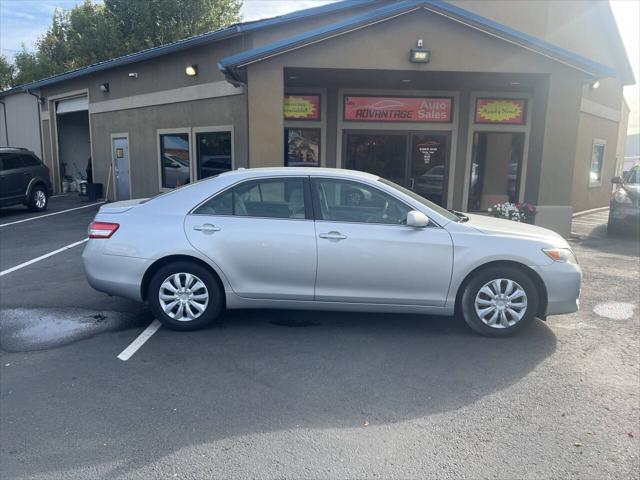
<point>428,171</point>
<point>174,157</point>
<point>302,147</point>
<point>495,169</point>
<point>380,154</point>
<point>597,158</point>
<point>213,153</point>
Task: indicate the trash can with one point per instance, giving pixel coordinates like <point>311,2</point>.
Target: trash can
<point>94,191</point>
<point>83,188</point>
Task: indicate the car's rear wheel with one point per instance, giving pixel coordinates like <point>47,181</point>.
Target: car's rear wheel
<point>499,301</point>
<point>185,296</point>
<point>38,199</point>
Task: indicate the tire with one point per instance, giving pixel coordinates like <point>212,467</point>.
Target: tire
<point>38,199</point>
<point>485,279</point>
<point>177,275</point>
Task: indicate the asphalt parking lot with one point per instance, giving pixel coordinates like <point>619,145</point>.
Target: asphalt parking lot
<point>309,395</point>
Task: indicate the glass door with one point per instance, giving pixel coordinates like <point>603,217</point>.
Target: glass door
<point>429,166</point>
<point>382,154</point>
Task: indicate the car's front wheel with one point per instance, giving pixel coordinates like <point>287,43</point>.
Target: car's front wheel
<point>185,296</point>
<point>499,301</point>
<point>38,199</point>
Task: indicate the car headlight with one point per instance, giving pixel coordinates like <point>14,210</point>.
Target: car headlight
<point>565,255</point>
<point>621,196</point>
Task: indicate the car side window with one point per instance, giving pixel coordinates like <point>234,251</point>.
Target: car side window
<point>30,161</point>
<point>268,198</point>
<point>347,201</point>
<point>11,161</point>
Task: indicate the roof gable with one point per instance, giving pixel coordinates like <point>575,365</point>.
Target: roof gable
<point>232,65</point>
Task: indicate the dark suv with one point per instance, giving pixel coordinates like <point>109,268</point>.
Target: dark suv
<point>23,179</point>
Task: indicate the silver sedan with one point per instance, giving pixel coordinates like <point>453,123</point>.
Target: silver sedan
<point>294,238</point>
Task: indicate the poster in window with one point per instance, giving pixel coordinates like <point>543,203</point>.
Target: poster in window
<point>507,111</point>
<point>302,147</point>
<point>302,107</point>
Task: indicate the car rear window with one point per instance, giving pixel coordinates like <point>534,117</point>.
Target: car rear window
<point>30,161</point>
<point>11,161</point>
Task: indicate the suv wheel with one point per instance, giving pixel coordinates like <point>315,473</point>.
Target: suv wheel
<point>38,199</point>
<point>185,296</point>
<point>499,301</point>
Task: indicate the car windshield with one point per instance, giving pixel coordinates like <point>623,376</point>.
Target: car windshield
<point>436,208</point>
<point>633,175</point>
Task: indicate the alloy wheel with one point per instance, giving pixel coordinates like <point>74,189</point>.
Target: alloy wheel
<point>40,199</point>
<point>501,303</point>
<point>183,296</point>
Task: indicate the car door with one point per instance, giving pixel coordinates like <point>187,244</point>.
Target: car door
<point>262,236</point>
<point>367,254</point>
<point>13,177</point>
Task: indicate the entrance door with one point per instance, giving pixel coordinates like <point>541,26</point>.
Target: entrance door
<point>418,160</point>
<point>495,169</point>
<point>120,148</point>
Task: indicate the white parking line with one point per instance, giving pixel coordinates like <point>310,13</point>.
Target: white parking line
<point>134,346</point>
<point>41,257</point>
<point>49,214</point>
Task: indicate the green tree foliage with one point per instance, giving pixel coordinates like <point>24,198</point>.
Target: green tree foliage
<point>93,32</point>
<point>6,73</point>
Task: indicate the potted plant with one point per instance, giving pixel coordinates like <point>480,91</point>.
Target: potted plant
<point>518,212</point>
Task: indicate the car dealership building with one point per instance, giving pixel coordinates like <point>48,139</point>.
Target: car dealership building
<point>469,103</point>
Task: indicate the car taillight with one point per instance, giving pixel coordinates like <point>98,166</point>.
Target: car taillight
<point>102,229</point>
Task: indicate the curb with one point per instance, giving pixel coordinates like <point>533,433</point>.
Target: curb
<point>587,212</point>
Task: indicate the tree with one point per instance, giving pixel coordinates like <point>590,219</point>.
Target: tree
<point>94,32</point>
<point>6,73</point>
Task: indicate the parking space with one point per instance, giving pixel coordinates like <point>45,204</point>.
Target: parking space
<point>275,394</point>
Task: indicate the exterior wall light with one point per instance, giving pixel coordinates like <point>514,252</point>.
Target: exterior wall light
<point>104,87</point>
<point>191,70</point>
<point>419,54</point>
<point>595,85</point>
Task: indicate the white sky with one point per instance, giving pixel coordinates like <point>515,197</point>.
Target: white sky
<point>23,21</point>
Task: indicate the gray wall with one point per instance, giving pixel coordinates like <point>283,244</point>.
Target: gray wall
<point>142,125</point>
<point>22,122</point>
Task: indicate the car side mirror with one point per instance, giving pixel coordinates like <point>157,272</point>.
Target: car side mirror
<point>617,180</point>
<point>417,219</point>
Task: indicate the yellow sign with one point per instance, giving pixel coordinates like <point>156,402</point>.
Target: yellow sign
<point>500,111</point>
<point>301,107</point>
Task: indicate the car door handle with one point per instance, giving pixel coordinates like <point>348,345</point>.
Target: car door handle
<point>206,228</point>
<point>333,236</point>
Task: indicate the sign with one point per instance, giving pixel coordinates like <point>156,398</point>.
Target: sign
<point>302,107</point>
<point>428,149</point>
<point>501,110</point>
<point>119,152</point>
<point>398,109</point>
<point>302,147</point>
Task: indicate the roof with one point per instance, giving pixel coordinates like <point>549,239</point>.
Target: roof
<point>231,65</point>
<point>205,38</point>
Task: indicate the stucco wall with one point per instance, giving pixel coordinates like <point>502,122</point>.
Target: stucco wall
<point>142,124</point>
<point>22,122</point>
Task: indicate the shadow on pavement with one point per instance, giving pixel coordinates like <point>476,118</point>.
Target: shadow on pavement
<point>248,376</point>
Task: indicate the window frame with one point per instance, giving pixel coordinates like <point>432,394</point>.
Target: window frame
<point>173,131</point>
<point>603,143</point>
<point>317,209</point>
<point>306,185</point>
<point>211,129</point>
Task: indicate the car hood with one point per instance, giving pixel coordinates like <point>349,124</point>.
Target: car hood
<point>499,226</point>
<point>633,189</point>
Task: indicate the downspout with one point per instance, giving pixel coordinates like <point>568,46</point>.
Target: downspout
<point>38,99</point>
<point>6,127</point>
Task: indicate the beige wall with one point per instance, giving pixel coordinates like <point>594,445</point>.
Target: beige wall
<point>22,122</point>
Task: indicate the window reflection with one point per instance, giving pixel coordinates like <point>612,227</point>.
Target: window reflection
<point>174,152</point>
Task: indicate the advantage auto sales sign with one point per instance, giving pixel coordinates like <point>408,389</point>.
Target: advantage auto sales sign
<point>398,109</point>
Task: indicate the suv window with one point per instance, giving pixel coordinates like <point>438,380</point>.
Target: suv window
<point>270,198</point>
<point>30,161</point>
<point>11,161</point>
<point>347,201</point>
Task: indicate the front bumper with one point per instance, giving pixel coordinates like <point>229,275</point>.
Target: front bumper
<point>625,214</point>
<point>113,274</point>
<point>563,282</point>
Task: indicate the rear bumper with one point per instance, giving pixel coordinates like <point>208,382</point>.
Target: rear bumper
<point>563,282</point>
<point>113,274</point>
<point>625,214</point>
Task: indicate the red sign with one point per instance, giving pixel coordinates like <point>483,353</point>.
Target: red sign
<point>398,109</point>
<point>501,110</point>
<point>302,107</point>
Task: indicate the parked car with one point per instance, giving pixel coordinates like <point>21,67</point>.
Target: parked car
<point>288,238</point>
<point>625,202</point>
<point>23,179</point>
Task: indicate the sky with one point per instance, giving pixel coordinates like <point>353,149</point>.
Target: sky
<point>23,21</point>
